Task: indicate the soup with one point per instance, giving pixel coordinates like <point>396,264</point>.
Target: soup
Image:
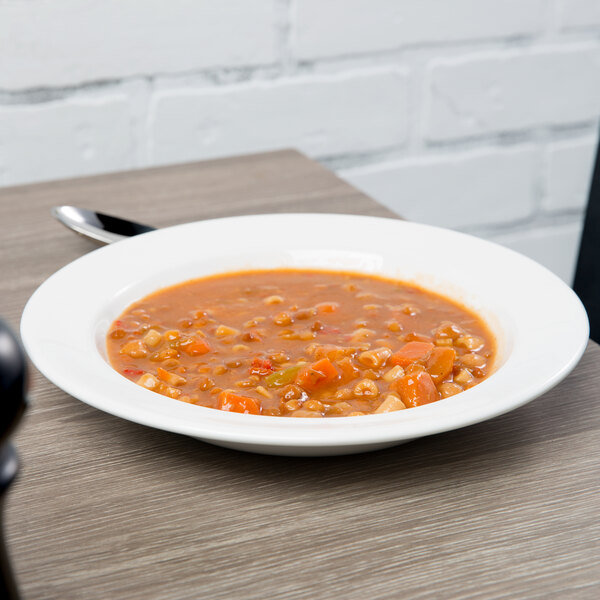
<point>301,343</point>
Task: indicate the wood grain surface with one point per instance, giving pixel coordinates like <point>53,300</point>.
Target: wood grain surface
<point>106,509</point>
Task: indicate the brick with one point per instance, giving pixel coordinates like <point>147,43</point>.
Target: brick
<point>555,247</point>
<point>457,191</point>
<point>578,14</point>
<point>64,139</point>
<point>570,167</point>
<point>322,116</point>
<point>65,42</point>
<point>339,27</point>
<point>511,91</point>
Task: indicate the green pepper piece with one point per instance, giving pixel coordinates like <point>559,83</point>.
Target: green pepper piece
<point>283,376</point>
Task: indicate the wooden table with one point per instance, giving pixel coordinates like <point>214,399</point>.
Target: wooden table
<point>108,509</point>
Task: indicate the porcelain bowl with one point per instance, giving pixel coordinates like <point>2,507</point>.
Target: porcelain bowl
<point>540,325</point>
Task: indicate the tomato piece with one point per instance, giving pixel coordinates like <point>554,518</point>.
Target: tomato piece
<point>411,352</point>
<point>261,366</point>
<point>133,371</point>
<point>416,389</point>
<point>317,374</point>
<point>232,402</point>
<point>440,363</point>
<point>195,347</point>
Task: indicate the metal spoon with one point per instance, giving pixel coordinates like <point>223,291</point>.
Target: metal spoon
<point>98,226</point>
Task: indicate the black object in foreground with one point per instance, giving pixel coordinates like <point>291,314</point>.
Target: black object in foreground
<point>13,380</point>
<point>587,275</point>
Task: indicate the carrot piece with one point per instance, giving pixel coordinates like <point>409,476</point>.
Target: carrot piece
<point>416,390</point>
<point>410,353</point>
<point>232,402</point>
<point>440,363</point>
<point>317,374</point>
<point>195,347</point>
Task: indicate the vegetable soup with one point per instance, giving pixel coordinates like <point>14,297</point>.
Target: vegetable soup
<point>301,343</point>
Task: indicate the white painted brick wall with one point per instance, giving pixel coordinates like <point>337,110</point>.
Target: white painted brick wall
<point>569,167</point>
<point>63,138</point>
<point>474,114</point>
<point>67,42</point>
<point>511,91</point>
<point>457,190</point>
<point>321,116</point>
<point>348,27</point>
<point>554,246</point>
<point>579,14</point>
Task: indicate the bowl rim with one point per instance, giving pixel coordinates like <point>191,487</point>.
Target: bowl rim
<point>148,408</point>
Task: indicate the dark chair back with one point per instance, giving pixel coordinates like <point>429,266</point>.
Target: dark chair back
<point>587,274</point>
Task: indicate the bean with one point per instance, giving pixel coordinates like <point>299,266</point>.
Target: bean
<point>361,334</point>
<point>172,335</point>
<point>292,392</point>
<point>224,331</point>
<point>263,391</point>
<point>152,338</point>
<point>282,319</point>
<point>292,405</point>
<point>205,384</point>
<point>244,383</point>
<point>170,363</point>
<point>339,408</point>
<point>449,389</point>
<point>470,342</point>
<point>448,330</point>
<point>240,348</point>
<point>250,337</point>
<point>394,326</point>
<point>472,360</point>
<point>305,313</point>
<point>135,349</point>
<point>233,364</point>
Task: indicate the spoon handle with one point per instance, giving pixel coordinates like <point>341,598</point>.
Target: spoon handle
<point>102,228</point>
